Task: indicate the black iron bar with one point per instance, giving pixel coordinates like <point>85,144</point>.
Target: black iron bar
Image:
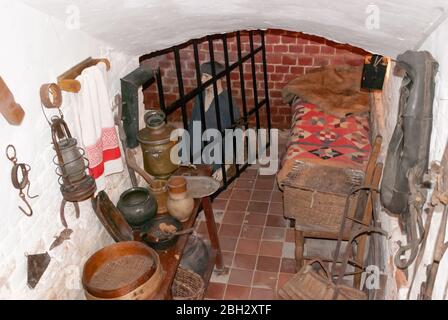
<point>181,88</point>
<point>229,83</point>
<point>251,112</point>
<point>266,82</point>
<point>254,79</point>
<point>242,83</point>
<point>160,91</point>
<point>216,100</point>
<point>200,95</point>
<point>232,179</point>
<point>257,107</point>
<point>214,79</point>
<point>229,90</point>
<point>192,94</point>
<point>199,84</point>
<point>243,89</point>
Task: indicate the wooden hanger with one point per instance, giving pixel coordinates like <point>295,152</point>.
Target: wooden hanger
<point>67,82</point>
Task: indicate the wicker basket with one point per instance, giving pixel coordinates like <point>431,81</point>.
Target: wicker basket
<point>187,285</point>
<point>316,195</point>
<point>312,284</point>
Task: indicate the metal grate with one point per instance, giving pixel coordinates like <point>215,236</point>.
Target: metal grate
<point>249,111</point>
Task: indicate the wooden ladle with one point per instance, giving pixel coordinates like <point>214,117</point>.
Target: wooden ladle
<point>132,163</point>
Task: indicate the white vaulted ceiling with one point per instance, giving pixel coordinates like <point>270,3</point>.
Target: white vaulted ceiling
<point>142,26</point>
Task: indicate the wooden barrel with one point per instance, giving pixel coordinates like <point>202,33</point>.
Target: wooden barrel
<point>123,271</point>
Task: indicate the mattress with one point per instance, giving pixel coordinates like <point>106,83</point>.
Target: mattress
<point>318,137</point>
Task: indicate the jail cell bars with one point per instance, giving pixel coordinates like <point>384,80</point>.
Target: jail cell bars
<point>248,110</point>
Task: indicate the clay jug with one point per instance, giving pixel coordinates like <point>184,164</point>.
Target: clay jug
<point>180,204</point>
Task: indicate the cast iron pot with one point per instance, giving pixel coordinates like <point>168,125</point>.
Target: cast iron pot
<point>152,228</point>
<point>138,206</point>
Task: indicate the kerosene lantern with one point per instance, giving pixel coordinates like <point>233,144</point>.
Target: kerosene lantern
<point>76,184</point>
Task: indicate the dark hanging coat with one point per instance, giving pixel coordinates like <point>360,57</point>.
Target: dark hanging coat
<point>210,115</point>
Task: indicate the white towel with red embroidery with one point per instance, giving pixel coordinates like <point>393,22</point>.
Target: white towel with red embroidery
<point>95,126</point>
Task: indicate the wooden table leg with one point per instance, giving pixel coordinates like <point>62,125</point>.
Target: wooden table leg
<point>212,232</point>
<point>300,243</point>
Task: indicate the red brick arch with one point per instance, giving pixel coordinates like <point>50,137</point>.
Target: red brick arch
<point>288,54</point>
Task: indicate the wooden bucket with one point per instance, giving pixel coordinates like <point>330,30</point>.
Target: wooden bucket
<point>123,271</point>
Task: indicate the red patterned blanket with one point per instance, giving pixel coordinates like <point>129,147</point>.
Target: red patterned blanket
<point>316,136</point>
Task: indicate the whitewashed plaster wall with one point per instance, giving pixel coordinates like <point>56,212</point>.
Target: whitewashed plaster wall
<point>36,48</point>
<point>384,117</point>
<point>385,114</point>
<point>142,26</point>
<point>438,46</point>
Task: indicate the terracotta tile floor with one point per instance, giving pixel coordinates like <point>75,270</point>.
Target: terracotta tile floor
<point>257,242</point>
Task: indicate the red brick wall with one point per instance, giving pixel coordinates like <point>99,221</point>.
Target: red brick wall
<point>288,55</point>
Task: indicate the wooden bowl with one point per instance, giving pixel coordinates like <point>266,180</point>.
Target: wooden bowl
<point>125,270</point>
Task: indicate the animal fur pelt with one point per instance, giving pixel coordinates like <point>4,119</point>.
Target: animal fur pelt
<point>336,90</point>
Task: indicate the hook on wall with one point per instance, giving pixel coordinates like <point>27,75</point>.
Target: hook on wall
<point>23,182</point>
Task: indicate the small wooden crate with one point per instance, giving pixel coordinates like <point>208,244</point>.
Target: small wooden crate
<point>315,195</point>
